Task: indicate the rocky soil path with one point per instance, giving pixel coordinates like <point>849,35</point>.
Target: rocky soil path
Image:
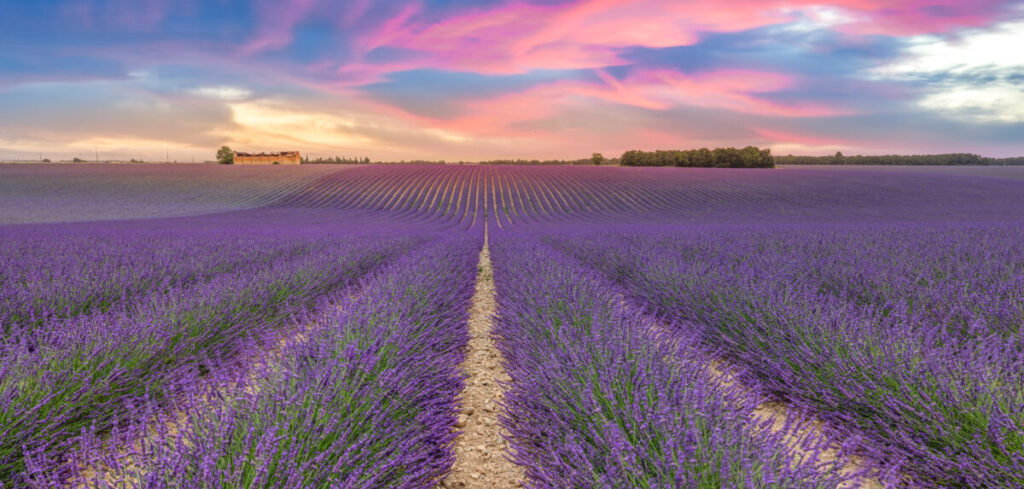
<point>480,451</point>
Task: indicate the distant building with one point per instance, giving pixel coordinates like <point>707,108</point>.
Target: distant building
<point>282,158</point>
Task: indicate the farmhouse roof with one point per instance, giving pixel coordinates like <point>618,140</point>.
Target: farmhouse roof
<point>282,153</point>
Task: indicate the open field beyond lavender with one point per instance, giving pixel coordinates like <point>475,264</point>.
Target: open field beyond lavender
<point>86,192</point>
<point>201,327</point>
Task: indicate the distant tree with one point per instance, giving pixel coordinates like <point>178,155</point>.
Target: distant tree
<point>720,158</point>
<point>748,157</point>
<point>78,160</point>
<point>366,160</point>
<point>703,157</point>
<point>839,155</point>
<point>597,158</point>
<point>277,163</point>
<point>225,156</point>
<point>46,160</point>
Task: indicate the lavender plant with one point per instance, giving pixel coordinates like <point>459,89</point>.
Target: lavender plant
<point>919,353</point>
<point>47,276</point>
<point>365,398</point>
<point>600,399</point>
<point>61,376</point>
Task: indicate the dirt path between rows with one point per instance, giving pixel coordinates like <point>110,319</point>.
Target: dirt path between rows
<point>779,413</point>
<point>480,460</point>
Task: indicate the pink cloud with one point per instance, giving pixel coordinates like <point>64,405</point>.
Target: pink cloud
<point>355,11</point>
<point>782,137</point>
<point>735,90</point>
<point>655,90</point>
<point>518,37</point>
<point>911,17</point>
<point>277,18</point>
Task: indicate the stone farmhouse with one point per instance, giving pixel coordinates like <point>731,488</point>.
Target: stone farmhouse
<point>282,158</point>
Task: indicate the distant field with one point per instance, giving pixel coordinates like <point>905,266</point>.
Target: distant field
<point>84,192</point>
<point>511,195</point>
<point>310,326</point>
<point>1015,172</point>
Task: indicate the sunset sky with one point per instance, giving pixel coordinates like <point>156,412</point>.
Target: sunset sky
<point>443,79</point>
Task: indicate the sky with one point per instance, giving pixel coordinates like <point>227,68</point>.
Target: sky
<point>490,79</point>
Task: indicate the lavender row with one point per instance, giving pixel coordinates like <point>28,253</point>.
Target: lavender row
<point>536,195</point>
<point>45,276</point>
<point>365,398</point>
<point>957,276</point>
<point>923,358</point>
<point>63,376</point>
<point>600,398</point>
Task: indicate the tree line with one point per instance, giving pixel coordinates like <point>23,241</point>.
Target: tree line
<point>948,159</point>
<point>581,161</point>
<point>748,157</point>
<point>335,160</point>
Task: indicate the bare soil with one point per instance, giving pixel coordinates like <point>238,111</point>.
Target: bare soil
<point>480,460</point>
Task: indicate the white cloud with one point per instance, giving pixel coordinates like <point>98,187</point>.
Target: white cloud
<point>266,125</point>
<point>449,136</point>
<point>999,102</point>
<point>818,18</point>
<point>973,74</point>
<point>231,94</point>
<point>998,47</point>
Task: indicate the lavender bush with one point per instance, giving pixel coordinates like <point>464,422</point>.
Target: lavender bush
<point>64,374</point>
<point>366,398</point>
<point>600,399</point>
<point>46,277</point>
<point>908,336</point>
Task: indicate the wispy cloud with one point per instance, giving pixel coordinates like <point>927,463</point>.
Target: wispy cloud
<point>223,92</point>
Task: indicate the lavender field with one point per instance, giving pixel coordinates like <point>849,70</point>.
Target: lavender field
<point>659,327</point>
